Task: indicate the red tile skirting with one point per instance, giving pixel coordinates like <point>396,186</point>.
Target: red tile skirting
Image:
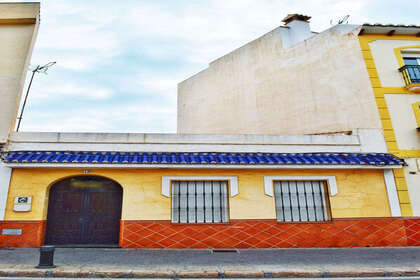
<point>412,229</point>
<point>244,234</point>
<point>372,232</point>
<point>32,233</point>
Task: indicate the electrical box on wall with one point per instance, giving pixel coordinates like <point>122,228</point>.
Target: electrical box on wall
<point>22,204</point>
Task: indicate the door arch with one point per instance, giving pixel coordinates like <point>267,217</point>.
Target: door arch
<point>84,210</point>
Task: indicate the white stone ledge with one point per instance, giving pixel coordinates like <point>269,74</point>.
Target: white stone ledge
<point>172,138</point>
<point>221,148</point>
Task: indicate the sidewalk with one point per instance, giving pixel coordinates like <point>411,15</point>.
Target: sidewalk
<point>129,263</point>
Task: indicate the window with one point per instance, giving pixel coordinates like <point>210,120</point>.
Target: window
<point>411,68</point>
<point>411,60</point>
<point>199,202</point>
<point>301,201</point>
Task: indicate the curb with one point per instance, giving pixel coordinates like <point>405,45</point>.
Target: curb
<point>124,273</point>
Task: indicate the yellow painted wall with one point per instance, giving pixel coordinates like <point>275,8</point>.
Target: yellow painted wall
<point>361,193</point>
<point>384,76</point>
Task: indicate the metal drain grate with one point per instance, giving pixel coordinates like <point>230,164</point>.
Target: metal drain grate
<point>224,251</point>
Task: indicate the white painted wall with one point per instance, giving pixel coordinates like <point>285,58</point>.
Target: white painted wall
<point>372,140</point>
<point>403,120</point>
<point>363,140</point>
<point>296,31</point>
<point>386,62</point>
<point>391,190</point>
<point>265,88</point>
<point>5,173</point>
<point>412,176</point>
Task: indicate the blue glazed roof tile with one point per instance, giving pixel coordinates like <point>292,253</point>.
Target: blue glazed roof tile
<point>372,159</point>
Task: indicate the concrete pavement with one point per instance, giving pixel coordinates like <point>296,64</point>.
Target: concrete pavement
<point>340,278</point>
<point>269,263</point>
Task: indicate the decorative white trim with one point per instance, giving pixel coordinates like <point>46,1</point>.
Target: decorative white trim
<point>195,166</point>
<point>166,182</point>
<point>268,182</point>
<point>391,189</point>
<point>5,174</point>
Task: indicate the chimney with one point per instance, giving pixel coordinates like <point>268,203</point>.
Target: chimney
<point>298,27</point>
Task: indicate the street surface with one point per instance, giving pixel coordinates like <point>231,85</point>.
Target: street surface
<point>359,278</point>
<point>192,259</point>
<point>269,263</point>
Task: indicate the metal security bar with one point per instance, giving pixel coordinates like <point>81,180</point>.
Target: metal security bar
<point>411,74</point>
<point>300,201</point>
<point>199,202</point>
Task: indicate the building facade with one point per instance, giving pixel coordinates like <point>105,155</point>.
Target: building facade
<point>220,190</point>
<point>202,191</point>
<point>18,30</point>
<point>294,81</point>
<point>392,58</point>
<point>288,81</point>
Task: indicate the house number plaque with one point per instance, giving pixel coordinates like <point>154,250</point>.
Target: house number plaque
<point>22,204</point>
<point>11,231</point>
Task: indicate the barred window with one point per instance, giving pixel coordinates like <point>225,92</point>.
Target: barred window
<point>301,201</point>
<point>199,202</point>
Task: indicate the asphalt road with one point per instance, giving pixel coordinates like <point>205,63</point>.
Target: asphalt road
<point>359,278</point>
<point>319,259</point>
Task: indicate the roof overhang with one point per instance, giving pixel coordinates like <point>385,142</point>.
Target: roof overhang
<point>390,29</point>
<point>201,160</point>
<point>192,166</point>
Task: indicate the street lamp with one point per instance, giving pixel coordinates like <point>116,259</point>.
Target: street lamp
<point>38,69</point>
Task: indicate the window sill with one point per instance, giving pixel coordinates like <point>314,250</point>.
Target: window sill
<point>311,222</point>
<point>413,88</point>
<point>199,224</point>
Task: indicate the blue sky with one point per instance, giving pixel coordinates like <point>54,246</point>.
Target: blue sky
<point>119,62</point>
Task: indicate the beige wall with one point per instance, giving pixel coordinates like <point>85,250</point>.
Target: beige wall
<point>263,88</point>
<point>386,61</point>
<point>403,120</point>
<point>361,193</point>
<point>18,29</point>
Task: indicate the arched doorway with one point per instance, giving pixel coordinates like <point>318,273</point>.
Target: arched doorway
<point>84,210</point>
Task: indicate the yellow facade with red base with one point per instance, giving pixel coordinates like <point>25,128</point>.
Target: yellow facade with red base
<point>360,212</point>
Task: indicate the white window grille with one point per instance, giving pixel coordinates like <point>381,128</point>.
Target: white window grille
<point>199,202</point>
<point>301,201</point>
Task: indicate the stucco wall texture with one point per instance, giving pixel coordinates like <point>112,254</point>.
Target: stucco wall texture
<point>361,193</point>
<point>386,62</point>
<point>17,37</point>
<point>263,88</point>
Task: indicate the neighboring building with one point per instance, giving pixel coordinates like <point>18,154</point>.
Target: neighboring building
<point>392,57</point>
<point>288,81</point>
<point>18,30</point>
<point>207,190</point>
<point>294,81</point>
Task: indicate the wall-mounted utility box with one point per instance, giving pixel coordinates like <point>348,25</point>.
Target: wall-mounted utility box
<point>22,204</point>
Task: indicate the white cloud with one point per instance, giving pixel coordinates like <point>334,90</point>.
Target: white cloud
<point>57,89</point>
<point>87,38</point>
<point>116,118</point>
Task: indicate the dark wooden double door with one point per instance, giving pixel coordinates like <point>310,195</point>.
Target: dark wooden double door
<point>84,210</point>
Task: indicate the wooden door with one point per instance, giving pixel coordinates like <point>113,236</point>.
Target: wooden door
<point>84,210</point>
